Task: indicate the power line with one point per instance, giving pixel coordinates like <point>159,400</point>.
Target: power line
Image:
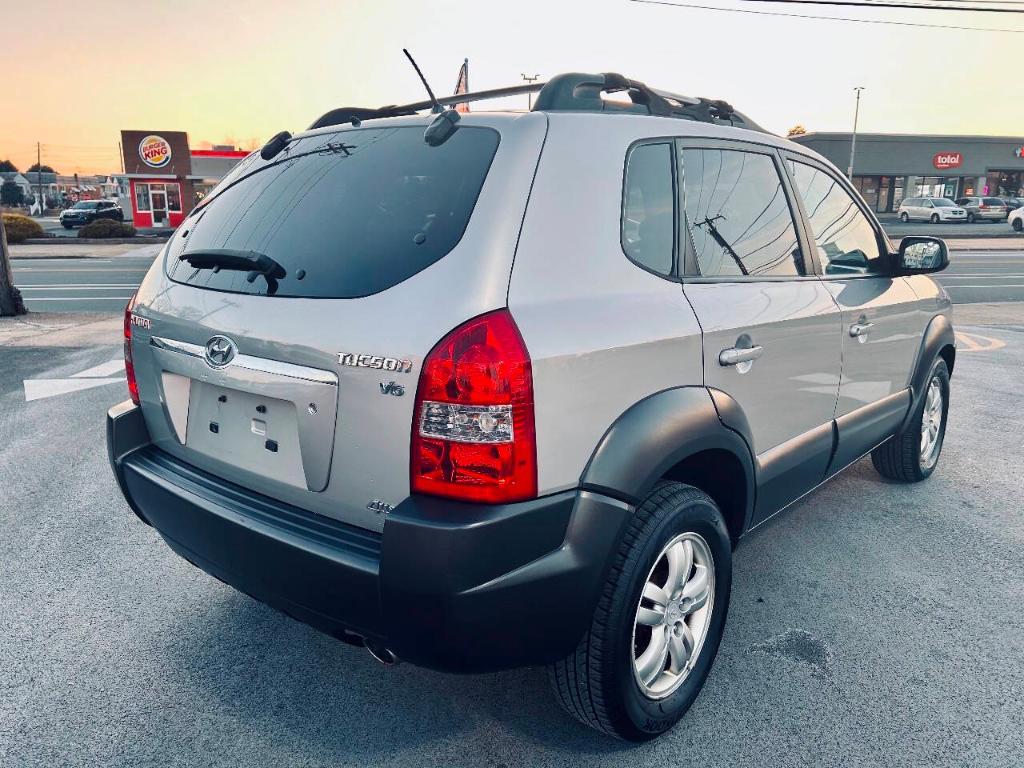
<point>824,18</point>
<point>917,6</point>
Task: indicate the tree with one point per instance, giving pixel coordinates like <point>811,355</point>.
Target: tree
<point>11,194</point>
<point>44,169</point>
<point>10,297</point>
<point>796,130</point>
<point>6,166</point>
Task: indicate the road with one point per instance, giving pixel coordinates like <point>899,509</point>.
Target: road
<point>984,275</point>
<point>80,285</point>
<point>104,285</point>
<point>872,624</point>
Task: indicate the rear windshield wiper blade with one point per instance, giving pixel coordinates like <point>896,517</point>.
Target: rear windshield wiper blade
<point>253,262</point>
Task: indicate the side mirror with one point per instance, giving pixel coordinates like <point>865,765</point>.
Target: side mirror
<point>921,255</point>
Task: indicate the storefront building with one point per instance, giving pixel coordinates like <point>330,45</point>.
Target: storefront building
<point>164,179</point>
<point>890,167</point>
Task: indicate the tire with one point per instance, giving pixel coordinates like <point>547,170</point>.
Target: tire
<point>970,218</point>
<point>904,217</point>
<point>1017,225</point>
<point>935,218</point>
<point>902,457</point>
<point>598,683</point>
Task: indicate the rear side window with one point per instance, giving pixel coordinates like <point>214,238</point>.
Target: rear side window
<point>846,241</point>
<point>738,215</point>
<point>648,213</point>
<point>355,213</point>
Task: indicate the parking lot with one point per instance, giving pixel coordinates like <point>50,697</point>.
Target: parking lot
<point>872,624</point>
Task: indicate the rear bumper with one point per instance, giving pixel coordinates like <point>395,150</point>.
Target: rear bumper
<point>447,585</point>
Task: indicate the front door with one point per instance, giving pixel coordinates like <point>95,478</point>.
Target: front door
<point>880,336</point>
<point>771,328</point>
<point>159,201</point>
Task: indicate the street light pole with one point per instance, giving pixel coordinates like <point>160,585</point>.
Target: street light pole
<point>530,79</point>
<point>853,139</point>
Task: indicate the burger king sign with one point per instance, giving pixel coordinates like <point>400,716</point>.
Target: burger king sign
<point>155,151</point>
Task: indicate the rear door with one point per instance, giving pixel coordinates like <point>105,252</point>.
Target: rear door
<point>771,329</point>
<point>881,326</point>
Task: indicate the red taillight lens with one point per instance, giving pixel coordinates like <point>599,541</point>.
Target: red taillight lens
<point>473,433</point>
<point>129,368</point>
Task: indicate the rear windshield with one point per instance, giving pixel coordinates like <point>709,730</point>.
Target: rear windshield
<point>993,201</point>
<point>345,215</point>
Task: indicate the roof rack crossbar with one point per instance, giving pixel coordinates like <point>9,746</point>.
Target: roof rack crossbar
<point>346,114</point>
<point>578,91</point>
<point>572,91</point>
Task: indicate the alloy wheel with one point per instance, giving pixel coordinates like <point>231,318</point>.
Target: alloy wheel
<point>673,616</point>
<point>931,424</point>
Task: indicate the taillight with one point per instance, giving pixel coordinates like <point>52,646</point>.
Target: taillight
<point>129,368</point>
<point>473,433</point>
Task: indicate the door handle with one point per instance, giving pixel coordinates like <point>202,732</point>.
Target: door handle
<point>861,329</point>
<point>742,357</point>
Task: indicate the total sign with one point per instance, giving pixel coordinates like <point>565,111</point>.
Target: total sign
<point>155,151</point>
<point>945,160</point>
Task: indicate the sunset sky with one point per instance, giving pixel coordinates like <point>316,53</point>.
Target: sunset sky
<point>75,74</point>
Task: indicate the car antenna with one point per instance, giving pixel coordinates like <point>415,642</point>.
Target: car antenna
<point>433,99</point>
<point>444,125</point>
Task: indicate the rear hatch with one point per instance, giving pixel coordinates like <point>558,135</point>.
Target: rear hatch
<point>283,328</point>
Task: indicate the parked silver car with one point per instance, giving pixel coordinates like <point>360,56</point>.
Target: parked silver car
<point>508,389</point>
<point>933,209</point>
<point>983,208</point>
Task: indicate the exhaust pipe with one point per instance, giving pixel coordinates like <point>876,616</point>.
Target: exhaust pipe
<point>384,655</point>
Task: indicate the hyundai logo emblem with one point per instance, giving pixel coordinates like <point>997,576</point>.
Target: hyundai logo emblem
<point>220,350</point>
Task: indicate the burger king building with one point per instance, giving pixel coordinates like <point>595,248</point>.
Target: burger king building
<point>890,167</point>
<point>164,178</point>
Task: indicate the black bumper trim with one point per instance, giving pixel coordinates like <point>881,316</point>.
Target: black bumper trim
<point>451,586</point>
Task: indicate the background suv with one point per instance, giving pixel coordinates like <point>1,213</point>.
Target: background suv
<point>507,389</point>
<point>933,209</point>
<point>983,208</point>
<point>90,210</point>
<point>1016,219</point>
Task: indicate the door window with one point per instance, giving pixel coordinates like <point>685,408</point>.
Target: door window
<point>845,239</point>
<point>737,214</point>
<point>648,212</point>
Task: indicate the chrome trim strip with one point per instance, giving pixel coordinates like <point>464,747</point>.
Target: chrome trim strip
<point>250,363</point>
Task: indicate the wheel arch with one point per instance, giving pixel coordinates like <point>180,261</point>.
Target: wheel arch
<point>689,434</point>
<point>939,340</point>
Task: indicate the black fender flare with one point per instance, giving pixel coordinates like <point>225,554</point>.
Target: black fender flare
<point>937,336</point>
<point>663,429</point>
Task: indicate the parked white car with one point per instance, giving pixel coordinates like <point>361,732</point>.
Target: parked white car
<point>933,209</point>
<point>1016,219</point>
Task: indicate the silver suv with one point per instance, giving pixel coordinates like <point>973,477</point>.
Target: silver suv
<point>508,389</point>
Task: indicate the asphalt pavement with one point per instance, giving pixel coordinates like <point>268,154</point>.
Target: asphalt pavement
<point>872,624</point>
<point>58,284</point>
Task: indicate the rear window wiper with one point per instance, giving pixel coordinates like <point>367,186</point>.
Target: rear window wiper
<point>253,262</point>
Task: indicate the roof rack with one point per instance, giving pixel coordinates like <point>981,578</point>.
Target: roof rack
<point>572,92</point>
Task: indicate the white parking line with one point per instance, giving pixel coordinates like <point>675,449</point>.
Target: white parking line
<point>81,287</point>
<point>79,298</point>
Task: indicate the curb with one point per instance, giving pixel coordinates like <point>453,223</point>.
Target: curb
<point>145,240</point>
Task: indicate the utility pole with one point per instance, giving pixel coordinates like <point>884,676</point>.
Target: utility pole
<point>39,177</point>
<point>530,79</point>
<point>10,297</point>
<point>853,138</point>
